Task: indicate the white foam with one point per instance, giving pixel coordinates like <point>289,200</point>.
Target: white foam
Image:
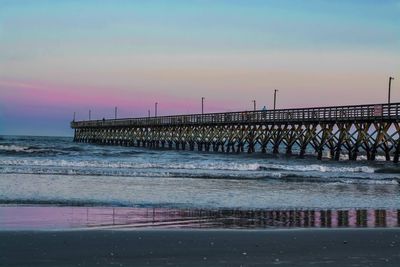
<point>345,157</point>
<point>321,168</point>
<point>134,165</point>
<point>223,166</point>
<point>368,181</point>
<point>13,148</point>
<point>377,158</point>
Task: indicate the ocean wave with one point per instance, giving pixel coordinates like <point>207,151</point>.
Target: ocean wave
<point>222,166</point>
<point>29,150</point>
<point>342,180</point>
<point>128,165</point>
<point>64,148</point>
<point>131,173</point>
<point>277,176</point>
<point>364,157</point>
<point>318,168</point>
<point>32,150</point>
<point>13,148</point>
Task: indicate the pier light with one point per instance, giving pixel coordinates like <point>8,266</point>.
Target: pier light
<point>254,105</point>
<point>390,85</point>
<point>155,109</point>
<point>74,116</point>
<point>148,112</point>
<point>116,112</point>
<point>275,98</point>
<point>202,105</point>
<point>90,114</point>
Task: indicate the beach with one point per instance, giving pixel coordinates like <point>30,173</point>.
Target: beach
<point>111,236</point>
<point>360,247</point>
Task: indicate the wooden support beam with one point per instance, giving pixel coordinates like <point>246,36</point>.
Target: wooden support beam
<point>352,137</point>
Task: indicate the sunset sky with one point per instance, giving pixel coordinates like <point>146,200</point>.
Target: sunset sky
<point>57,57</point>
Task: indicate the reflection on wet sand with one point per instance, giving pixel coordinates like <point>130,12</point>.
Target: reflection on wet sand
<point>114,218</point>
<point>305,218</point>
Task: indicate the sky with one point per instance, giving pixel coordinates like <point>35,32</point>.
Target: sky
<point>66,56</point>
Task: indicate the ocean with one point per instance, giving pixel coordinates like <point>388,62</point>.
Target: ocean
<point>57,171</point>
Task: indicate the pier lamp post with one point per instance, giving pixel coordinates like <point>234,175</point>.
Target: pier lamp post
<point>202,105</point>
<point>390,85</point>
<point>116,112</point>
<point>74,116</point>
<point>148,112</point>
<point>275,98</point>
<point>90,114</point>
<point>254,105</point>
<point>155,109</point>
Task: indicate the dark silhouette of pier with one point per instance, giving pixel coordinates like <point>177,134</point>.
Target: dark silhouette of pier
<point>367,130</point>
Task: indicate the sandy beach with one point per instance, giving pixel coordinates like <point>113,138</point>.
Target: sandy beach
<point>302,247</point>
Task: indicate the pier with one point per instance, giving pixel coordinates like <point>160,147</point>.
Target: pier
<point>367,130</point>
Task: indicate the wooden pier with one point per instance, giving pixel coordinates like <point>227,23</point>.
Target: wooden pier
<point>367,130</point>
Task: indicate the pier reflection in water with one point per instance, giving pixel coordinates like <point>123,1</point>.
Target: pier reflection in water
<point>125,218</point>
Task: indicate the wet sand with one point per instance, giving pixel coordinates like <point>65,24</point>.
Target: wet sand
<point>297,247</point>
<point>22,218</point>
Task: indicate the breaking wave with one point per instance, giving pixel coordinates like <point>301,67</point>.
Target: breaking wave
<point>277,175</point>
<point>28,151</point>
<point>31,150</point>
<point>62,157</point>
<point>222,166</point>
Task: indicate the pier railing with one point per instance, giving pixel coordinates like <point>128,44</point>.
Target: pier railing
<point>373,112</point>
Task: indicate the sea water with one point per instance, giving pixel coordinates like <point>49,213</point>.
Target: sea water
<point>57,171</point>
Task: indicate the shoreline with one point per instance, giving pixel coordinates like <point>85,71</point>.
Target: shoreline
<point>31,218</point>
<point>149,247</point>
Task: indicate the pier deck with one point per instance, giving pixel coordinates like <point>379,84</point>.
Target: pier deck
<point>352,130</point>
